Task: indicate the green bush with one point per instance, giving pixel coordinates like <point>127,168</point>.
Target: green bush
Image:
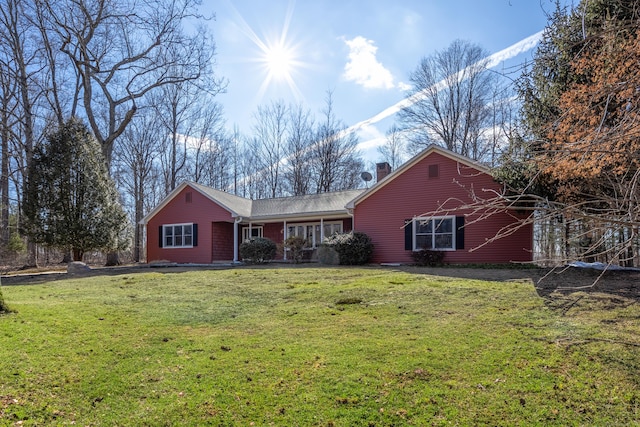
<point>4,308</point>
<point>258,250</point>
<point>352,248</point>
<point>428,258</point>
<point>295,245</point>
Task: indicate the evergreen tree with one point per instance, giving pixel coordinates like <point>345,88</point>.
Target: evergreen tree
<point>71,203</point>
<point>577,158</point>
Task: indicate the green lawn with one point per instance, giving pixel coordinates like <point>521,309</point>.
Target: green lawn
<point>314,347</point>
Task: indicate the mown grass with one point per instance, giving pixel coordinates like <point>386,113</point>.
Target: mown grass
<point>314,347</point>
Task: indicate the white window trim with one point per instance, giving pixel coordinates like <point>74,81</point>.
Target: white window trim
<point>417,220</point>
<point>249,229</point>
<point>164,235</point>
<point>317,239</point>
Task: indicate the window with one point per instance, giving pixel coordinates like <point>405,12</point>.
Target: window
<point>256,231</point>
<point>332,228</point>
<point>312,231</point>
<point>178,236</point>
<point>434,233</point>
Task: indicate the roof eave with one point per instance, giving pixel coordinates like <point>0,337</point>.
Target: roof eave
<point>172,195</point>
<point>163,203</point>
<point>300,216</point>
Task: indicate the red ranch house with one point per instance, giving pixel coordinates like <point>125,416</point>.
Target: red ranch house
<point>198,224</point>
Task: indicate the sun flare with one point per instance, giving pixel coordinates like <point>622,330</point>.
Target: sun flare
<point>278,55</point>
<point>279,61</point>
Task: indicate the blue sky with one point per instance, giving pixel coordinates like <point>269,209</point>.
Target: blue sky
<point>362,51</point>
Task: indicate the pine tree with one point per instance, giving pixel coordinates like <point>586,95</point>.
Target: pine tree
<point>579,153</point>
<point>71,203</point>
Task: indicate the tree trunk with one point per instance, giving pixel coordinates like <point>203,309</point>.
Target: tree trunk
<point>113,258</point>
<point>32,248</point>
<point>4,181</point>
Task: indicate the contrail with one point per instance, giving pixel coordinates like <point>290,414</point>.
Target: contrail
<point>490,61</point>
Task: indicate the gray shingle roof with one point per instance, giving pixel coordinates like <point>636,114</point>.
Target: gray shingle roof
<point>282,207</point>
<point>234,204</point>
<point>307,205</point>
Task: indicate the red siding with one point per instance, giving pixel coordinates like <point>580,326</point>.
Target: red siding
<point>201,211</point>
<point>413,193</point>
<point>222,241</point>
<point>274,232</point>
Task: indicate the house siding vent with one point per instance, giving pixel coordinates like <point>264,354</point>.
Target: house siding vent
<point>382,170</point>
<point>434,171</point>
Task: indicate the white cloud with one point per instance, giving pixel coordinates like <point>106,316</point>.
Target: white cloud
<point>364,68</point>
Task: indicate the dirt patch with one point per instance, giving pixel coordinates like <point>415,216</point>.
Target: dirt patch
<point>564,280</point>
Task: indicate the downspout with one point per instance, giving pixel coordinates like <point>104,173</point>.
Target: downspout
<point>235,239</point>
<point>353,219</point>
<point>144,243</point>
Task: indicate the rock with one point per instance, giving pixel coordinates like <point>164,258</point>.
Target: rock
<point>77,267</point>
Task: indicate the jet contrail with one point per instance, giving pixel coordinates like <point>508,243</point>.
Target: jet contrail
<point>490,61</point>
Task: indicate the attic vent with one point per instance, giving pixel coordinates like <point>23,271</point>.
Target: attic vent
<point>187,197</point>
<point>434,171</point>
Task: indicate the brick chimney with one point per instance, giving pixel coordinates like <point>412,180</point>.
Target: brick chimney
<point>382,170</point>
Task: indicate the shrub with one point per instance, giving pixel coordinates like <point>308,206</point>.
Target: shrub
<point>296,245</point>
<point>352,248</point>
<point>4,308</point>
<point>428,258</point>
<point>258,250</point>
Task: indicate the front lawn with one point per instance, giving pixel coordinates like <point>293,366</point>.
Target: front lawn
<point>314,346</point>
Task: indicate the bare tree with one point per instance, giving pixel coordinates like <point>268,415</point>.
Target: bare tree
<point>175,118</point>
<point>451,95</point>
<point>121,51</point>
<point>271,129</point>
<point>299,143</point>
<point>253,184</point>
<point>394,149</point>
<point>136,171</point>
<point>208,144</point>
<point>335,157</point>
<point>7,104</point>
<point>235,143</point>
<point>20,69</point>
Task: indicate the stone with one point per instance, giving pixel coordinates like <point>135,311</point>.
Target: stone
<point>77,267</point>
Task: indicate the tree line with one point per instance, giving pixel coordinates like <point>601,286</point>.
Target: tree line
<point>142,79</point>
<point>560,134</point>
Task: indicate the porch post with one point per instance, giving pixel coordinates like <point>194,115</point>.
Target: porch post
<point>321,230</point>
<point>236,224</point>
<point>284,250</point>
